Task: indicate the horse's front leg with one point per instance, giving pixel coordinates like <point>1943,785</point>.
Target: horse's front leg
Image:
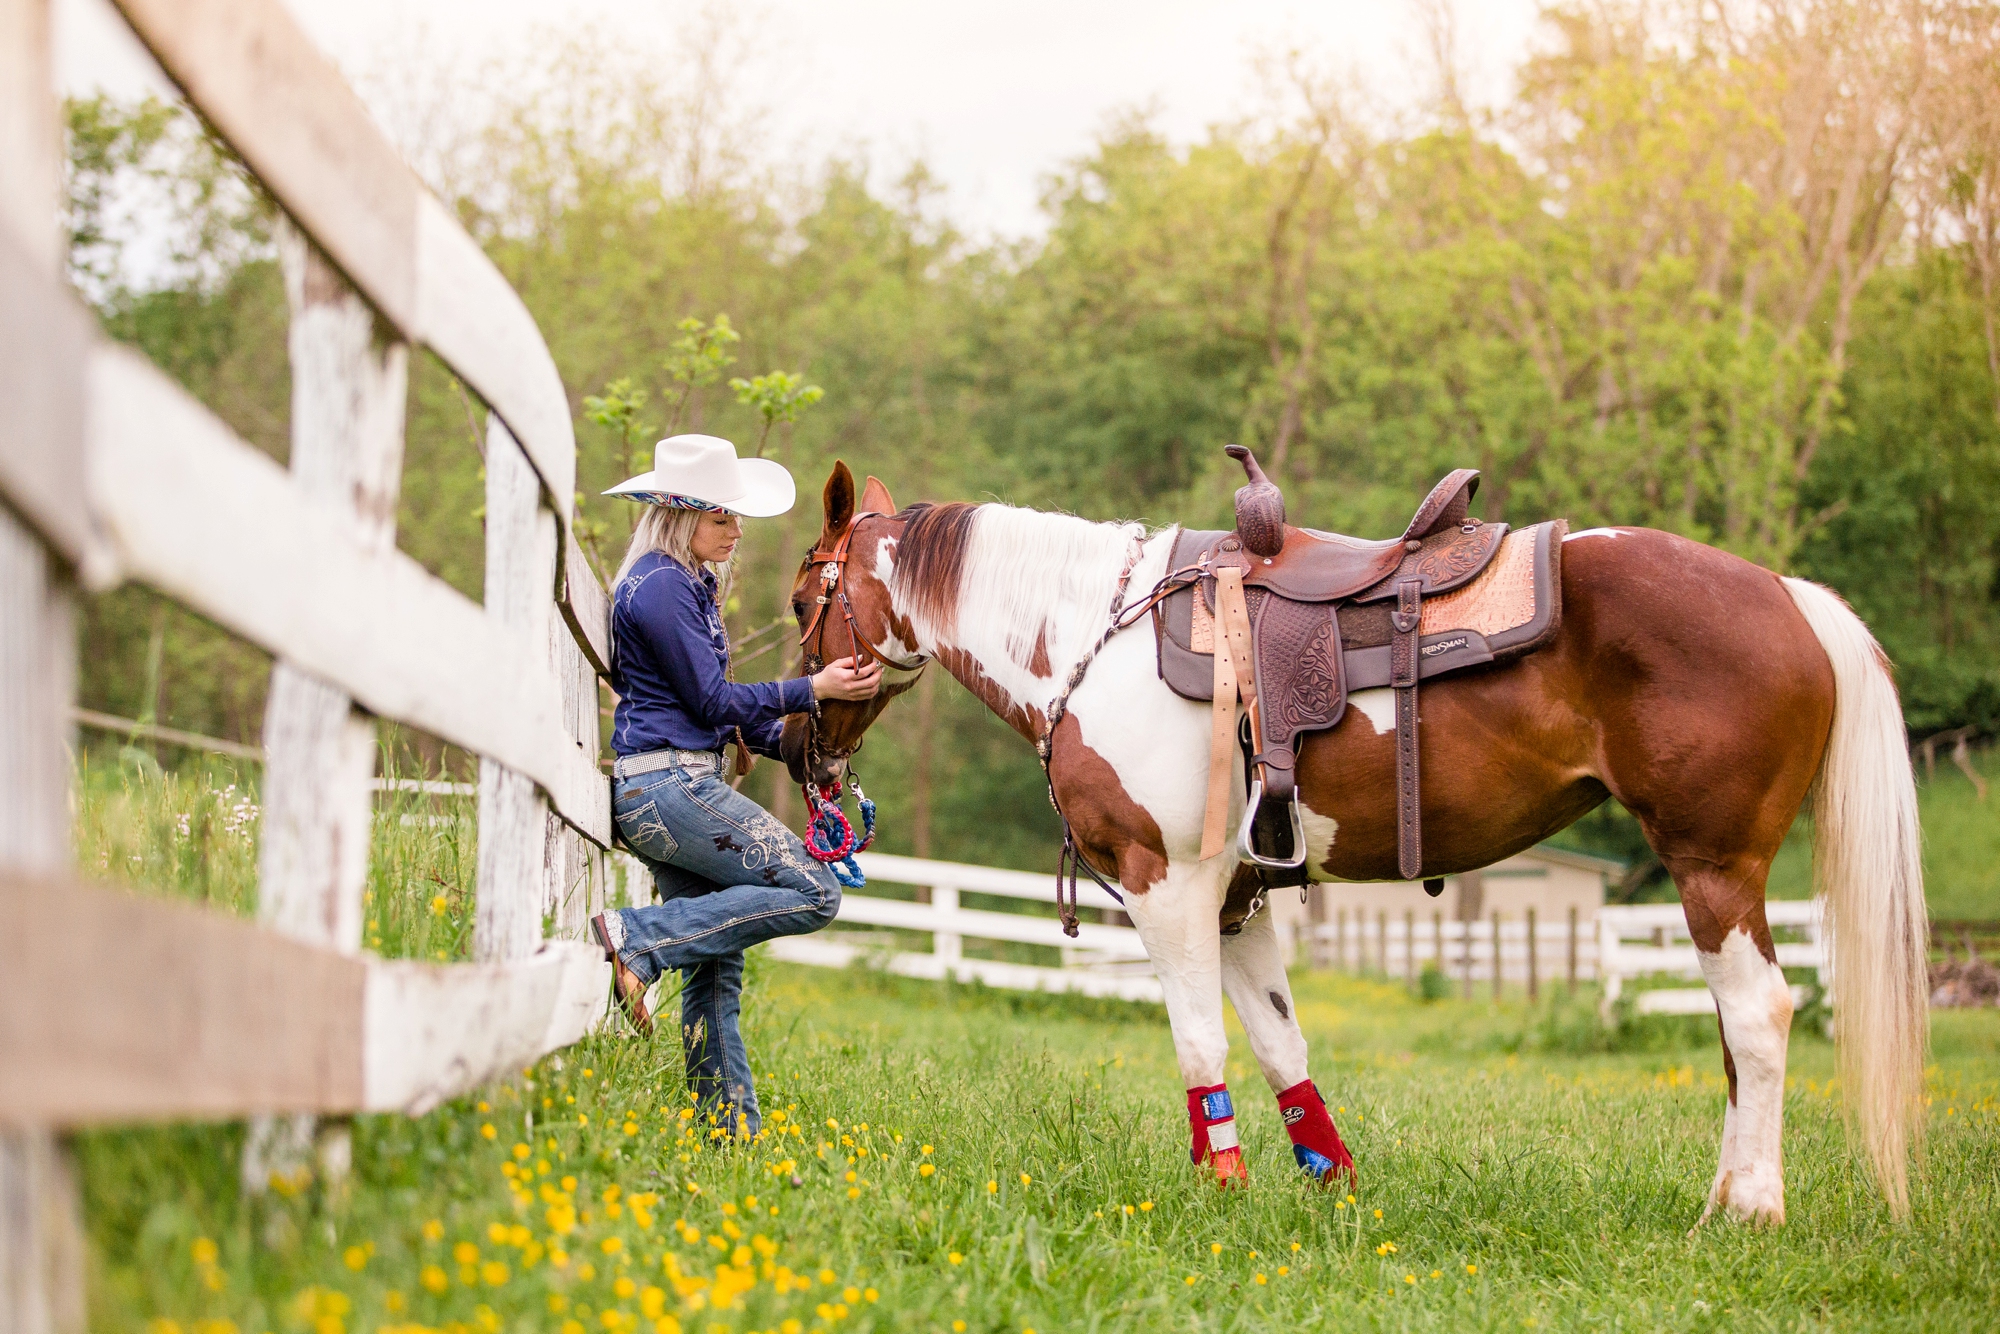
<point>1253,973</point>
<point>1176,919</point>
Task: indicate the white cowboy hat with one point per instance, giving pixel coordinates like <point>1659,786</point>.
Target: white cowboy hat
<point>702,472</point>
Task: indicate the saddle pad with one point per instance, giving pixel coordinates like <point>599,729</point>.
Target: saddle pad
<point>1512,608</point>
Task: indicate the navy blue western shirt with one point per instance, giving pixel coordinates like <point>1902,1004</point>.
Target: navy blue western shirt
<point>670,663</point>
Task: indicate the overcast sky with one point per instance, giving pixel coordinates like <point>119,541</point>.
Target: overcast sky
<point>993,95</point>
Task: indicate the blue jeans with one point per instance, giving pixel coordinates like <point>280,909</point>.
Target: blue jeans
<point>728,876</point>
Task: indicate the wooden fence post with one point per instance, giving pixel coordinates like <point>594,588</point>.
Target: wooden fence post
<point>41,1244</point>
<point>1410,947</point>
<point>1534,960</point>
<point>1497,967</point>
<point>1571,963</point>
<point>513,814</point>
<point>350,377</point>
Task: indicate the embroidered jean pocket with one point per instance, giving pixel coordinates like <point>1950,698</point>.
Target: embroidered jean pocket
<point>639,820</point>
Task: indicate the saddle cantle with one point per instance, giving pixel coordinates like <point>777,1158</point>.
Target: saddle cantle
<point>1329,614</point>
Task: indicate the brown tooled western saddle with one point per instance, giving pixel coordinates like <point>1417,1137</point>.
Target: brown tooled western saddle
<point>1291,619</point>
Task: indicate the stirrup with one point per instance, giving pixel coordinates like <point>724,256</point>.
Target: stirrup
<point>1246,842</point>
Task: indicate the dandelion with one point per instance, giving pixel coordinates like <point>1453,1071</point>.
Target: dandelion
<point>433,1279</point>
<point>992,1188</point>
<point>926,1169</point>
<point>1410,1278</point>
<point>1472,1269</point>
<point>1295,1248</point>
<point>1253,1255</point>
<point>493,1273</point>
<point>871,1294</point>
<point>1284,1270</point>
<point>1189,1280</point>
<point>854,1192</point>
<point>1026,1179</point>
<point>1261,1280</point>
<point>1127,1208</point>
<point>958,1327</point>
<point>205,1251</point>
<point>611,1245</point>
<point>434,1231</point>
<point>1437,1273</point>
<point>1215,1248</point>
<point>465,1253</point>
<point>355,1258</point>
<point>956,1258</point>
<point>924,1149</point>
<point>439,904</point>
<point>1378,1213</point>
<point>1145,1206</point>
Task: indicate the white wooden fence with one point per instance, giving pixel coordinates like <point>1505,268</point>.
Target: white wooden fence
<point>1403,945</point>
<point>1107,960</point>
<point>1566,950</point>
<point>118,1006</point>
<point>1103,960</point>
<point>1668,951</point>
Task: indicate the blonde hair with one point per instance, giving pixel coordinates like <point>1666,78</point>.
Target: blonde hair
<point>670,531</point>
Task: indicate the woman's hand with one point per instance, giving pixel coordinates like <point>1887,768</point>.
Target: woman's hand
<point>841,679</point>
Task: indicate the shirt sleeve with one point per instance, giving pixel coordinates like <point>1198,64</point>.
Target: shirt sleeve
<point>671,614</point>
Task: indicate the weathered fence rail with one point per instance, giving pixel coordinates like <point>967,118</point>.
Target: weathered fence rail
<point>109,472</point>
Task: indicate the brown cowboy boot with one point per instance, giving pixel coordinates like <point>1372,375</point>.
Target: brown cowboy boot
<point>625,983</point>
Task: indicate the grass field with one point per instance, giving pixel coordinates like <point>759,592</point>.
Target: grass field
<point>1520,1167</point>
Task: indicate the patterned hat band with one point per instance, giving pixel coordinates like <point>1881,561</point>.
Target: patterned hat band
<point>670,500</point>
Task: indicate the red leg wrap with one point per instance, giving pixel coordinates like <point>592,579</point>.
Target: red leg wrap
<point>1212,1117</point>
<point>1315,1143</point>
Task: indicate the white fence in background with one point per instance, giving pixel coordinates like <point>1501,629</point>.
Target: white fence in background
<point>1403,946</point>
<point>1103,960</point>
<point>1614,946</point>
<point>1669,951</point>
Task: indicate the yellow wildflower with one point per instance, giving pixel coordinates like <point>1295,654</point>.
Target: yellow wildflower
<point>433,1279</point>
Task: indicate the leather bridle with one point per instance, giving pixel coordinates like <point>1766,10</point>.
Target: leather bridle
<point>833,592</point>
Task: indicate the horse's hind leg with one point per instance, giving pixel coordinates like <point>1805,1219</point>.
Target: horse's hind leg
<point>1725,912</point>
<point>1253,974</point>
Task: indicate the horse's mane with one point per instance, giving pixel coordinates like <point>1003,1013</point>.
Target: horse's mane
<point>1023,577</point>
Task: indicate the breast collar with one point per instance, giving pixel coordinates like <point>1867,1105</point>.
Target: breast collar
<point>833,589</point>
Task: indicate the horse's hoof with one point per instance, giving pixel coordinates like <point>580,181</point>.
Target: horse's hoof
<point>1229,1168</point>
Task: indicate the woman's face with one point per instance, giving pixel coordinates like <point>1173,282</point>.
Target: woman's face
<point>716,536</point>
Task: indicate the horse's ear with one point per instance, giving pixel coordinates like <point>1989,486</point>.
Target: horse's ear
<point>875,497</point>
<point>838,497</point>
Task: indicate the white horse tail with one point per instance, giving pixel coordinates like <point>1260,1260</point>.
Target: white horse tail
<point>1868,871</point>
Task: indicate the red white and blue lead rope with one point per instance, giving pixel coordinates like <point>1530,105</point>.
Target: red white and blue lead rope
<point>829,836</point>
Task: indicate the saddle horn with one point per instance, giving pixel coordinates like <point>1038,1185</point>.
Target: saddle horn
<point>1260,506</point>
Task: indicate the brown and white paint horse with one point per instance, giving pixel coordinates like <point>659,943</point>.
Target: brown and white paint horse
<point>1711,697</point>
